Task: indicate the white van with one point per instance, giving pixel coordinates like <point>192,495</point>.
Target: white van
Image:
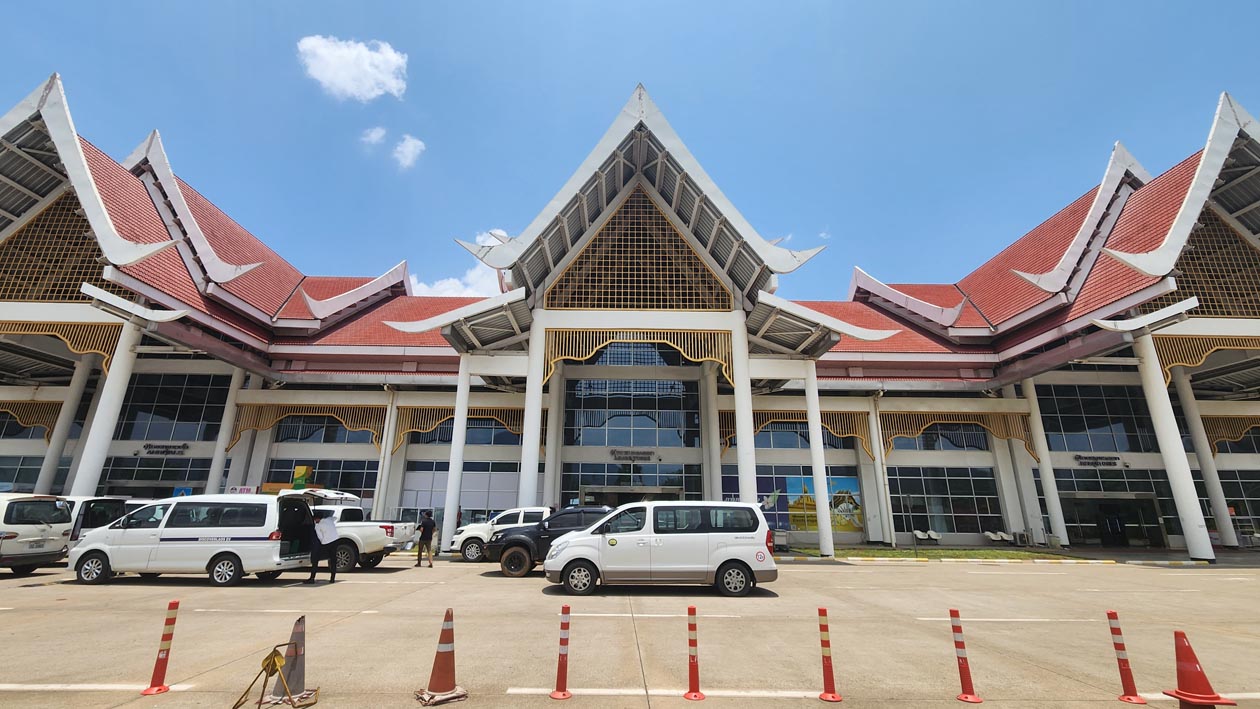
<point>88,513</point>
<point>470,540</point>
<point>726,544</point>
<point>224,536</point>
<point>34,531</point>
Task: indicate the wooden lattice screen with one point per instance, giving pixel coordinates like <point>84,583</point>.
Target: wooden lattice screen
<point>260,417</point>
<point>80,338</point>
<point>1228,428</point>
<point>33,413</point>
<point>695,345</point>
<point>841,424</point>
<point>49,258</point>
<point>1193,350</point>
<point>1221,268</point>
<point>911,424</point>
<point>422,419</point>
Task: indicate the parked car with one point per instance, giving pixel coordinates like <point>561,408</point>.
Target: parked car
<point>724,544</point>
<point>470,540</point>
<point>358,540</point>
<point>88,513</point>
<point>519,549</point>
<point>34,531</point>
<point>224,536</point>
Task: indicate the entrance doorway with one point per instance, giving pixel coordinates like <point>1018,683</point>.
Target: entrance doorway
<point>1113,519</point>
<point>615,496</point>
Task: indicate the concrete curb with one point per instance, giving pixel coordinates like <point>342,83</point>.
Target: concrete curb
<point>1074,561</point>
<point>1167,563</point>
<point>885,560</point>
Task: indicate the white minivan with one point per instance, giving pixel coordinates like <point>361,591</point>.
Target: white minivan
<point>224,536</point>
<point>726,544</point>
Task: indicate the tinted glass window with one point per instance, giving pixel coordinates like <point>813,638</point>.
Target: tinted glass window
<point>679,520</point>
<point>566,520</point>
<point>531,517</point>
<point>146,517</point>
<point>217,514</point>
<point>732,519</point>
<point>37,512</point>
<point>98,513</point>
<point>510,518</point>
<point>631,520</point>
<point>352,514</point>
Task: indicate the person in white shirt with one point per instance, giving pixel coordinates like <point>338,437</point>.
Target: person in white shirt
<point>322,539</point>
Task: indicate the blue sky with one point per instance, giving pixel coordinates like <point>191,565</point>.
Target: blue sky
<point>912,139</point>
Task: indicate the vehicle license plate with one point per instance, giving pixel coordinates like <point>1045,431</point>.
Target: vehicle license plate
<point>37,545</point>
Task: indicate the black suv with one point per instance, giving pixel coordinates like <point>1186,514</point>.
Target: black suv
<point>519,549</point>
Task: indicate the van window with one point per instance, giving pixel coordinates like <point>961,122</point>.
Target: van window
<point>732,519</point>
<point>352,514</point>
<point>566,520</point>
<point>631,520</point>
<point>98,513</point>
<point>146,517</point>
<point>188,515</point>
<point>37,512</point>
<point>531,517</point>
<point>679,520</point>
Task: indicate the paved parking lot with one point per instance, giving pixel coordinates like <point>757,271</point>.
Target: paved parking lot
<point>1037,635</point>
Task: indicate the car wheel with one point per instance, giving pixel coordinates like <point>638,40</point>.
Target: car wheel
<point>225,570</point>
<point>149,576</point>
<point>24,569</point>
<point>345,557</point>
<point>580,578</point>
<point>371,561</point>
<point>473,550</point>
<point>515,562</point>
<point>267,576</point>
<point>93,568</point>
<point>734,579</point>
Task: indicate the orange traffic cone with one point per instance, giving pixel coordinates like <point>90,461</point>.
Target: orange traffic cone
<point>293,686</point>
<point>1193,687</point>
<point>442,687</point>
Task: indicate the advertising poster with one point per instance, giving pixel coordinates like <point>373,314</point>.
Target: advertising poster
<point>846,504</point>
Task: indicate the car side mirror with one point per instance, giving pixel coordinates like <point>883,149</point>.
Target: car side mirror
<point>546,525</point>
<point>603,529</point>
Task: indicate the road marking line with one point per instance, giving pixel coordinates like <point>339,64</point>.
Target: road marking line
<point>639,692</point>
<point>1023,620</point>
<point>1227,695</point>
<point>266,610</point>
<point>1021,573</point>
<point>6,609</point>
<point>85,687</point>
<point>645,615</point>
<point>408,582</point>
<point>1140,590</point>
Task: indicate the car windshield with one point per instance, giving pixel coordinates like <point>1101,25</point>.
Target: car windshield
<point>37,512</point>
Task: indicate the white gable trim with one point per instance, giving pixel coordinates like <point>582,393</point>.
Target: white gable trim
<point>934,313</point>
<point>330,306</point>
<point>467,311</point>
<point>833,324</point>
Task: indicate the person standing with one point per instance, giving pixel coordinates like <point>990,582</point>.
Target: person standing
<point>427,526</point>
<point>322,542</point>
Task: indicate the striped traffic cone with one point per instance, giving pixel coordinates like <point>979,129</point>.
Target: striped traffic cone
<point>1128,687</point>
<point>293,686</point>
<point>442,687</point>
<point>157,685</point>
<point>968,693</point>
<point>1193,688</point>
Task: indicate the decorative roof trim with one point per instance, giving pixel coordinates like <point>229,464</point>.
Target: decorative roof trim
<point>49,102</point>
<point>115,275</point>
<point>469,310</point>
<point>215,268</point>
<point>934,313</point>
<point>1175,312</point>
<point>322,309</point>
<point>114,302</point>
<point>640,109</point>
<point>1120,164</point>
<point>1231,119</point>
<point>833,324</point>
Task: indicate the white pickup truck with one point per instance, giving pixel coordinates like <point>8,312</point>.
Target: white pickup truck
<point>358,541</point>
<point>470,540</point>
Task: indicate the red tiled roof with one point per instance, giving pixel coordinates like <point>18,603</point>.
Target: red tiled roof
<point>266,287</point>
<point>997,292</point>
<point>945,295</point>
<point>369,328</point>
<point>910,339</point>
<point>136,219</point>
<point>318,288</point>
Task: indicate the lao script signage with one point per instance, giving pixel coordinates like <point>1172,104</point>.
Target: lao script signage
<point>1097,461</point>
<point>622,455</point>
<point>165,449</point>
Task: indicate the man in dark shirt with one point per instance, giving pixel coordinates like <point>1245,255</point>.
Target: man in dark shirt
<point>426,538</point>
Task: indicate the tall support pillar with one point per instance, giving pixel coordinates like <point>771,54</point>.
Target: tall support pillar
<point>745,436</point>
<point>1007,485</point>
<point>1198,544</point>
<point>65,420</point>
<point>817,459</point>
<point>531,429</point>
<point>555,437</point>
<point>882,494</point>
<point>459,433</point>
<point>1049,483</point>
<point>238,468</point>
<point>77,456</point>
<point>113,392</point>
<point>1024,485</point>
<point>1204,454</point>
<point>710,432</point>
<point>228,422</point>
<point>385,462</point>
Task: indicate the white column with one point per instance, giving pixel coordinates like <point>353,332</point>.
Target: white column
<point>1007,485</point>
<point>883,498</point>
<point>710,432</point>
<point>215,479</point>
<point>1024,485</point>
<point>65,421</point>
<point>459,433</point>
<point>531,430</point>
<point>817,459</point>
<point>745,436</point>
<point>555,436</point>
<point>1204,454</point>
<point>384,463</point>
<point>260,457</point>
<point>77,456</point>
<point>113,392</point>
<point>1049,483</point>
<point>238,469</point>
<point>1176,464</point>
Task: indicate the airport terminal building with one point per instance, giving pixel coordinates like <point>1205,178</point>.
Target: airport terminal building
<point>1095,383</point>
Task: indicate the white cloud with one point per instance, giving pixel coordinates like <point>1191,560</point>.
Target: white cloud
<point>824,235</point>
<point>352,69</point>
<point>480,280</point>
<point>373,136</point>
<point>408,151</point>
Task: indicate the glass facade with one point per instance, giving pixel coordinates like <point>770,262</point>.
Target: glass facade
<point>18,473</point>
<point>575,476</point>
<point>1242,492</point>
<point>1101,419</point>
<point>632,413</point>
<point>153,477</point>
<point>357,477</point>
<point>172,407</point>
<point>637,354</point>
<point>787,494</point>
<point>480,432</point>
<point>486,488</point>
<point>11,429</point>
<point>317,429</point>
<point>963,500</point>
<point>792,435</point>
<point>1082,526</point>
<point>946,437</point>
